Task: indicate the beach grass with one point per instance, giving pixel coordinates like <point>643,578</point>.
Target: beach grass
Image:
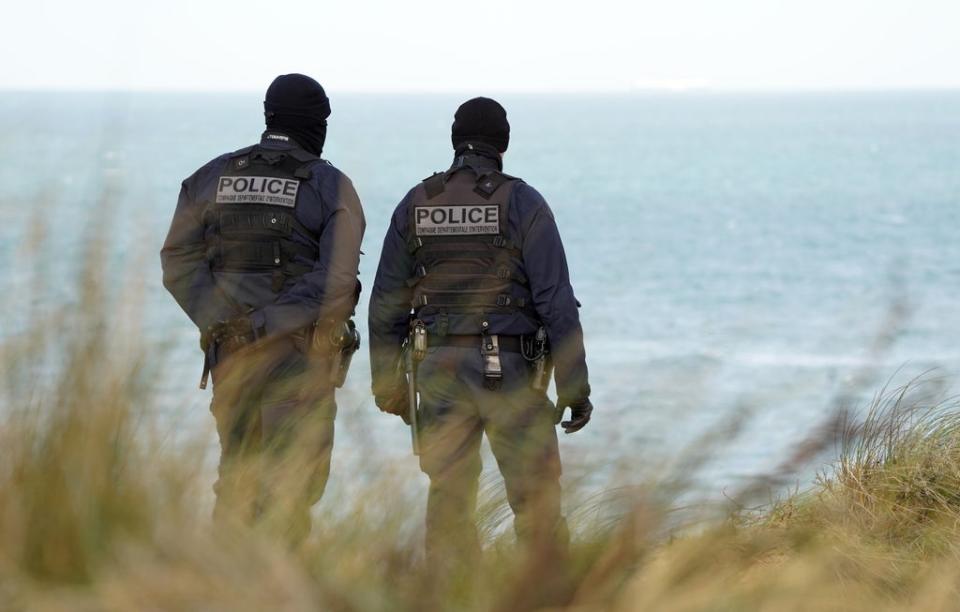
<point>101,508</point>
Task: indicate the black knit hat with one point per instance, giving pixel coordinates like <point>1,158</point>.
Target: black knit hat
<point>481,120</point>
<point>297,95</point>
<point>298,106</point>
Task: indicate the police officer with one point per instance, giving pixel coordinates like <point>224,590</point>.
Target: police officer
<point>262,255</point>
<point>473,256</point>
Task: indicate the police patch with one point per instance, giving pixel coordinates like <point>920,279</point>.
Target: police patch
<point>257,190</point>
<point>457,220</point>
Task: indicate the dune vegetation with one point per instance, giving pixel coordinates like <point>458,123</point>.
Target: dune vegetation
<point>99,511</point>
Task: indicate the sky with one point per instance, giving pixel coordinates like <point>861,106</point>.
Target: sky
<point>494,45</point>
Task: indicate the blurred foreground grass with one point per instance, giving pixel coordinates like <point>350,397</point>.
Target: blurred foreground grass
<point>100,511</point>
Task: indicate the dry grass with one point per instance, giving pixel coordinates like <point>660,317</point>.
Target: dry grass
<point>98,511</point>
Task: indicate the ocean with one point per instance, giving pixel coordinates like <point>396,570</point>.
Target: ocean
<point>765,256</point>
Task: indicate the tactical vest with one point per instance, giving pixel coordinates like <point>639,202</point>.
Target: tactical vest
<point>251,220</point>
<point>466,260</point>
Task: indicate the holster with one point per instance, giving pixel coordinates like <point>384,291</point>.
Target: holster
<point>536,350</point>
<point>335,342</point>
<point>414,351</point>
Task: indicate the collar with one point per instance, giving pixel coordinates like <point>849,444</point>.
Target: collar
<point>274,139</point>
<point>481,158</point>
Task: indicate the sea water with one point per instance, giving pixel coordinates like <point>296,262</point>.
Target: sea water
<point>764,256</point>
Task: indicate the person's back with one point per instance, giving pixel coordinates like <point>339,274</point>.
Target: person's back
<point>262,254</point>
<point>476,256</point>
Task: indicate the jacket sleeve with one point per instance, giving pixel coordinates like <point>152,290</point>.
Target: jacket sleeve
<point>545,262</point>
<point>186,272</point>
<point>390,304</point>
<point>330,290</point>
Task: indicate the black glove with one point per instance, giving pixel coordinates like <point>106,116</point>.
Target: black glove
<point>579,413</point>
<point>395,402</point>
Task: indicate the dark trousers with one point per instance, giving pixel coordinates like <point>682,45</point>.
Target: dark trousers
<point>456,410</point>
<point>275,411</point>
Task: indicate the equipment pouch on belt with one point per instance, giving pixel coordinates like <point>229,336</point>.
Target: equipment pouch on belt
<point>490,351</point>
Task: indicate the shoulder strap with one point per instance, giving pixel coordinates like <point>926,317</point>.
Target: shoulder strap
<point>306,158</point>
<point>302,156</point>
<point>240,158</point>
<point>488,184</point>
<point>300,169</point>
<point>434,185</point>
<point>242,152</point>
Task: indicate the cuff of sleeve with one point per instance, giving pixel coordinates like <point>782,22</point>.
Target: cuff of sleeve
<point>570,396</point>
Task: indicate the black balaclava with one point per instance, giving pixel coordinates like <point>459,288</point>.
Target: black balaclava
<point>481,120</point>
<point>297,106</point>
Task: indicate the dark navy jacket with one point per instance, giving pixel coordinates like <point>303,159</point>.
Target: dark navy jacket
<point>327,205</point>
<point>544,263</point>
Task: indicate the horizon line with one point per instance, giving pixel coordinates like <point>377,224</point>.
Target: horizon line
<point>506,91</point>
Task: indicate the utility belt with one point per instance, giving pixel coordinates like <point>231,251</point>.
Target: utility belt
<point>339,339</point>
<point>534,348</point>
<point>512,344</point>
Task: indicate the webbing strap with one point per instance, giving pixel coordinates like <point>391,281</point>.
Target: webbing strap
<point>512,344</point>
<point>301,159</point>
<point>262,253</point>
<point>502,243</point>
<point>302,156</point>
<point>420,273</point>
<point>434,185</point>
<point>488,184</point>
<point>251,253</point>
<point>456,283</point>
<point>240,222</point>
<point>445,273</point>
<point>500,300</point>
<point>414,244</point>
<point>240,219</point>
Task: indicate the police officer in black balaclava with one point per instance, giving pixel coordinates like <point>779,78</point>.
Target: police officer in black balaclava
<point>262,254</point>
<point>475,254</point>
<point>297,106</point>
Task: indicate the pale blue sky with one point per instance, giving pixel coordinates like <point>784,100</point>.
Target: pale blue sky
<point>492,45</point>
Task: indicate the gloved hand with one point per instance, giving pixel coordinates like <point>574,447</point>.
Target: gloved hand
<point>395,402</point>
<point>580,410</point>
<point>233,333</point>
